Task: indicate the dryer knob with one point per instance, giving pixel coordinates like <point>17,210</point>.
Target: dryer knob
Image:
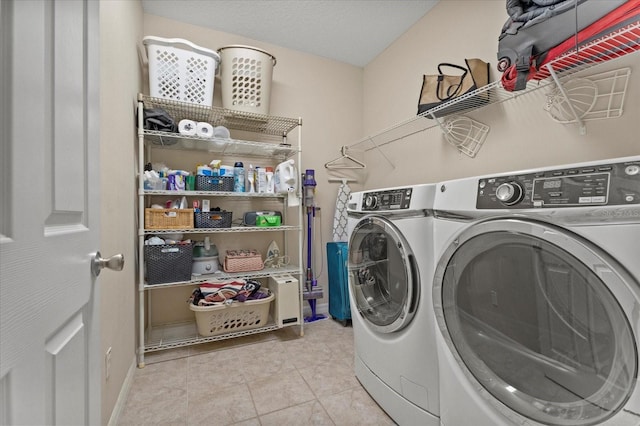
<point>509,193</point>
<point>370,201</point>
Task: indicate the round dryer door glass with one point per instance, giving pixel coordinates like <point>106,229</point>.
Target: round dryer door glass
<point>383,279</point>
<point>535,316</point>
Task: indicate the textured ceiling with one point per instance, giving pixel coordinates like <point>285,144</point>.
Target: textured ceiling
<point>351,31</point>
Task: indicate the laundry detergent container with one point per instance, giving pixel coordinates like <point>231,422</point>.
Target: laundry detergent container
<point>180,70</point>
<point>246,73</point>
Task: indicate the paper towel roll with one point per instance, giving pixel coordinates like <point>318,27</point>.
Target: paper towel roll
<point>187,127</point>
<point>204,130</point>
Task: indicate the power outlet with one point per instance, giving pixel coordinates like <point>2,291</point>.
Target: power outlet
<point>107,363</point>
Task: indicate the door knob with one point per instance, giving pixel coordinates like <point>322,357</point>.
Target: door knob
<point>115,262</point>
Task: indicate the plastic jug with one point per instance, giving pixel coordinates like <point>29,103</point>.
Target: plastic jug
<point>286,177</point>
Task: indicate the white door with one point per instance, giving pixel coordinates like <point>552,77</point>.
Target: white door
<point>50,366</point>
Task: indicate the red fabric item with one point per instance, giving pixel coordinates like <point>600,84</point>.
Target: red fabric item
<point>613,48</point>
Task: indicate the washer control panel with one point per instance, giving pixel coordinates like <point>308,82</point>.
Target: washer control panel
<point>392,199</point>
<point>600,185</point>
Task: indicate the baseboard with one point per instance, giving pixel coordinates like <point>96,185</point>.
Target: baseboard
<point>123,395</point>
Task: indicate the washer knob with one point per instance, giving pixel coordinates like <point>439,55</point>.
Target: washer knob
<point>509,193</point>
<point>370,201</point>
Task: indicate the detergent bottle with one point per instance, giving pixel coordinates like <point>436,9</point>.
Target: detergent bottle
<point>286,177</point>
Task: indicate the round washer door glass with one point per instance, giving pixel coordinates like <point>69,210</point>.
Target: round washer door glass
<point>529,312</point>
<point>383,278</point>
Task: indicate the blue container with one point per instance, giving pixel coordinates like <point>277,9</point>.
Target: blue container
<point>337,255</point>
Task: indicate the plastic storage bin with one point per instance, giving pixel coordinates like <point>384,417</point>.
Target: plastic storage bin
<point>237,316</point>
<point>246,73</point>
<point>213,219</point>
<point>214,183</point>
<point>180,70</point>
<point>168,263</point>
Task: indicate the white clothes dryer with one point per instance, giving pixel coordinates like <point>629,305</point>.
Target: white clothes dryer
<point>390,271</point>
<point>537,296</point>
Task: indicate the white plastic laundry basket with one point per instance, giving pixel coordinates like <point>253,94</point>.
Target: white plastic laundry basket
<point>246,74</point>
<point>181,70</point>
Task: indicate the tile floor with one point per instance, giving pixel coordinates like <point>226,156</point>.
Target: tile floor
<point>276,378</point>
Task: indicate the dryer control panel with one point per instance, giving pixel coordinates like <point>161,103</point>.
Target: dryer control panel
<point>392,199</point>
<point>599,185</point>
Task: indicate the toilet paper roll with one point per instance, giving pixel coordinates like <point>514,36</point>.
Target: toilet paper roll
<point>204,130</point>
<point>187,127</point>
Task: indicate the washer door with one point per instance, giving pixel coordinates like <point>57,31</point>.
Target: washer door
<point>538,317</point>
<point>383,277</point>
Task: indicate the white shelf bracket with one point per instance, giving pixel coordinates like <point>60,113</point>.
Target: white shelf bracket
<point>381,152</point>
<point>582,127</point>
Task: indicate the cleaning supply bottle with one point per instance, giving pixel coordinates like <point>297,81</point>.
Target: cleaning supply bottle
<point>251,179</point>
<point>238,177</point>
<point>286,177</point>
<point>270,185</point>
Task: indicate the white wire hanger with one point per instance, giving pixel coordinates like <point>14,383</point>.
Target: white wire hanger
<point>337,163</point>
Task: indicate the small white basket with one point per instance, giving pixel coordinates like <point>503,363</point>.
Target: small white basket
<point>180,70</point>
<point>237,316</point>
<point>246,73</point>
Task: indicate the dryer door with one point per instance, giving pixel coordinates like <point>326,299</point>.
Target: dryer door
<point>383,277</point>
<point>542,319</point>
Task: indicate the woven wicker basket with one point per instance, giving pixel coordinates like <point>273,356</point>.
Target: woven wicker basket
<point>168,218</point>
<point>243,261</point>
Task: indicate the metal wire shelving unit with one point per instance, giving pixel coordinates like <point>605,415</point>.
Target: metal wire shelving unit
<point>271,133</point>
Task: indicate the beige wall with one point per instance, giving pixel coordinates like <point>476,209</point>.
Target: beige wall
<point>522,135</point>
<point>120,31</point>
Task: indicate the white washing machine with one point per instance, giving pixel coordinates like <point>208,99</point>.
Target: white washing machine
<point>390,272</point>
<point>537,296</point>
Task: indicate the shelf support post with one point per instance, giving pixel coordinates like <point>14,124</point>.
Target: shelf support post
<point>381,152</point>
<point>583,128</point>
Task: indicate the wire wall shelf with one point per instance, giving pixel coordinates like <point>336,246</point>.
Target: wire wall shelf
<point>615,45</point>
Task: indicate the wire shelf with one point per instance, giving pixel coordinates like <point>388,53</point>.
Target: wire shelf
<point>216,116</point>
<point>613,46</point>
<point>185,334</point>
<point>221,275</point>
<point>237,147</point>
<point>233,229</point>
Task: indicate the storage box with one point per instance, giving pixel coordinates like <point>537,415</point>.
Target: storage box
<point>168,262</point>
<point>285,309</point>
<point>168,218</point>
<point>237,316</point>
<point>214,183</point>
<point>265,221</point>
<point>213,219</point>
<point>180,70</point>
<point>243,261</point>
